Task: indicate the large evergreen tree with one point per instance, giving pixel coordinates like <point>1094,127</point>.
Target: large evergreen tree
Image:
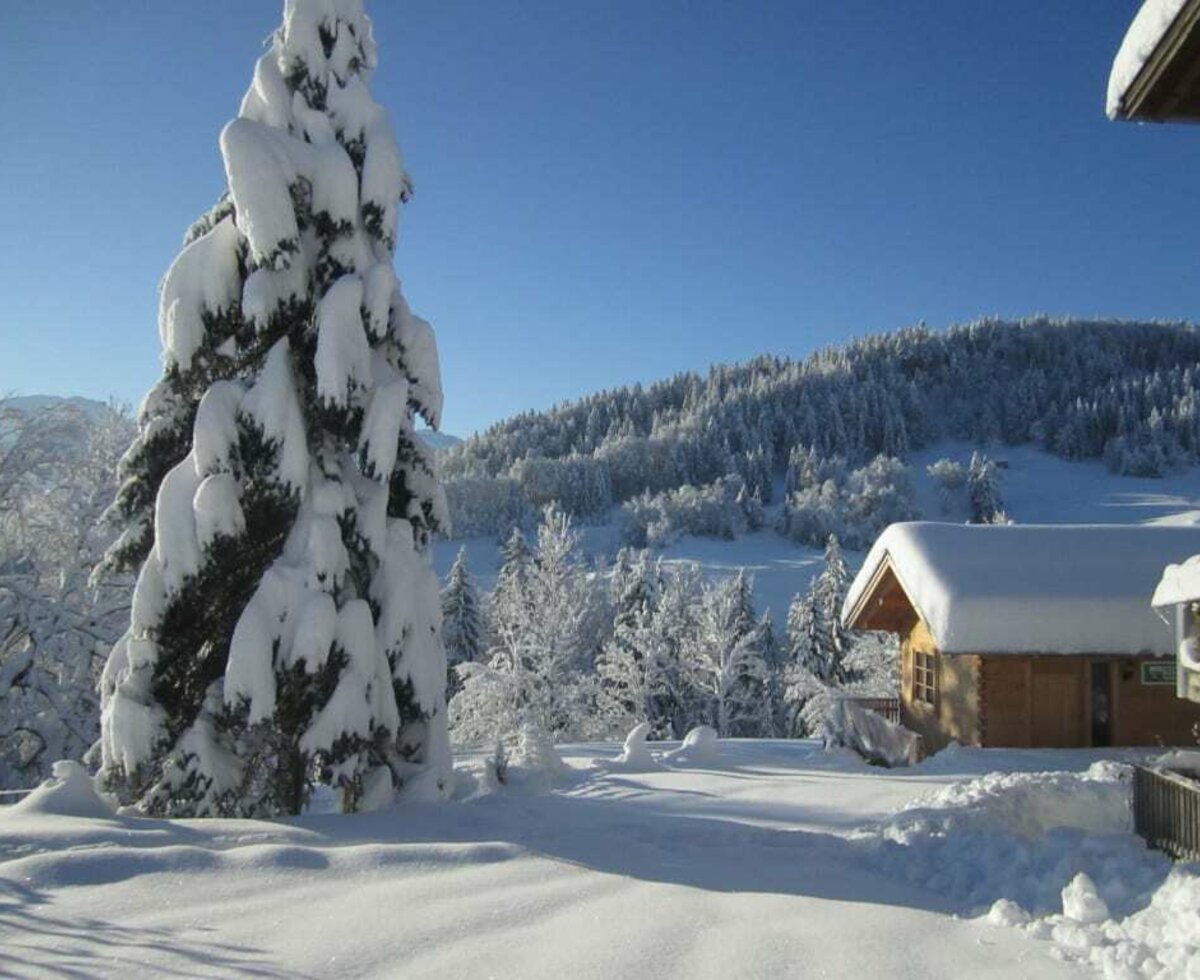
<point>285,632</point>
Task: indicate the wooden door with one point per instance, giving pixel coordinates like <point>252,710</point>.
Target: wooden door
<point>1057,704</point>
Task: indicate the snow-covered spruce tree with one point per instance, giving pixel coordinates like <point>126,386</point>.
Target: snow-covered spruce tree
<point>804,660</point>
<point>538,674</point>
<point>829,592</point>
<point>728,661</point>
<point>509,606</point>
<point>285,632</point>
<point>462,619</point>
<point>983,491</point>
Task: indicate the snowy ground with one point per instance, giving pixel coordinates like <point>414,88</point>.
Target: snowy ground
<point>777,860</point>
<point>1037,488</point>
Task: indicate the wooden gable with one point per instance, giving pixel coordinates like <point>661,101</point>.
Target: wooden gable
<point>884,604</point>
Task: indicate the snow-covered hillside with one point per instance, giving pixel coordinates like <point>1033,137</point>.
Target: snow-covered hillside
<point>1037,488</point>
<point>774,860</point>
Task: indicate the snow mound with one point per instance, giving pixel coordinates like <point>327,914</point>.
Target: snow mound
<point>869,735</point>
<point>1026,804</point>
<point>532,765</point>
<point>1024,838</point>
<point>1082,902</point>
<point>1161,940</point>
<point>635,754</point>
<point>700,748</point>
<point>68,793</point>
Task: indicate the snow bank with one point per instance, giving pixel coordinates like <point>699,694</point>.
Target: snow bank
<point>700,748</point>
<point>1052,854</point>
<point>1141,39</point>
<point>1023,837</point>
<point>1027,588</point>
<point>1162,940</point>
<point>68,793</point>
<point>869,734</point>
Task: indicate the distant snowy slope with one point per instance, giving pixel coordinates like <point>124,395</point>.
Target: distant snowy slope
<point>37,403</point>
<point>437,440</point>
<point>1037,488</point>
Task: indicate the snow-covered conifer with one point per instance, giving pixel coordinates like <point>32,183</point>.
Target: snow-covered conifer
<point>285,632</point>
<point>539,672</point>
<point>983,491</point>
<point>462,621</point>
<point>509,606</point>
<point>829,592</point>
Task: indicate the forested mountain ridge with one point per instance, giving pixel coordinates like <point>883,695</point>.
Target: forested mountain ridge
<point>1124,391</point>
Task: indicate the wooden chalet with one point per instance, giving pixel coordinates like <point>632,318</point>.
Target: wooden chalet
<point>1027,635</point>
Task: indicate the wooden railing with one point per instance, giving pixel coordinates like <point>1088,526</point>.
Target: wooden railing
<point>888,707</point>
<point>1166,812</point>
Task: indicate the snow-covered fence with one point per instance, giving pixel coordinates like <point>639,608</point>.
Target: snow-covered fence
<point>888,707</point>
<point>11,796</point>
<point>1166,811</point>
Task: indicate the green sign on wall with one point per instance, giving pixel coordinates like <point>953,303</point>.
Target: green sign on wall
<point>1158,672</point>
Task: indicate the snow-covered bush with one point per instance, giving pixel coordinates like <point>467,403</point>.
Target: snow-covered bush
<point>724,509</point>
<point>285,630</point>
<point>57,472</point>
<point>856,509</point>
<point>537,674</point>
<point>950,478</point>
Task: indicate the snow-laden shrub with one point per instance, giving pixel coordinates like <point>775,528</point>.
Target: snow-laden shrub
<point>950,478</point>
<point>856,509</point>
<point>869,734</point>
<point>722,509</point>
<point>57,474</point>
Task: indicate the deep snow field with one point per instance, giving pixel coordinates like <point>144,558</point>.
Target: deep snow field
<point>773,859</point>
<point>1037,488</point>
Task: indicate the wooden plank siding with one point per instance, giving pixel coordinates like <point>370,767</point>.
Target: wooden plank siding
<point>1036,701</point>
<point>955,713</point>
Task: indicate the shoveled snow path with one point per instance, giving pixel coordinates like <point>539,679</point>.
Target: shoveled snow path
<point>741,870</point>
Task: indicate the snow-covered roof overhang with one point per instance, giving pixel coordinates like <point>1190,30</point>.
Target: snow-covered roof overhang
<point>1156,74</point>
<point>1179,583</point>
<point>1027,588</point>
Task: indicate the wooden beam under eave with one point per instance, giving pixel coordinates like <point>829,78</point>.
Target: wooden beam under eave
<point>1167,89</point>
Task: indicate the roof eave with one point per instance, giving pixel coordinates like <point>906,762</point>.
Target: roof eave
<point>1167,88</point>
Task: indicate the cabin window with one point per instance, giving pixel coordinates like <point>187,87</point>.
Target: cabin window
<point>924,677</point>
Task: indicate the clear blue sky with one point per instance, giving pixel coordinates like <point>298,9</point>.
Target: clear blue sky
<point>613,191</point>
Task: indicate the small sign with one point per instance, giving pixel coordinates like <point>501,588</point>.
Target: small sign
<point>1158,672</point>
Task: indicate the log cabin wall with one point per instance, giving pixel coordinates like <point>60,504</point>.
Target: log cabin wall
<point>1046,702</point>
<point>1149,714</point>
<point>954,715</point>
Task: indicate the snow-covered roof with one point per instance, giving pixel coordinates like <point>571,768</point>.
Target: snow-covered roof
<point>1148,28</point>
<point>1027,588</point>
<point>1179,583</point>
